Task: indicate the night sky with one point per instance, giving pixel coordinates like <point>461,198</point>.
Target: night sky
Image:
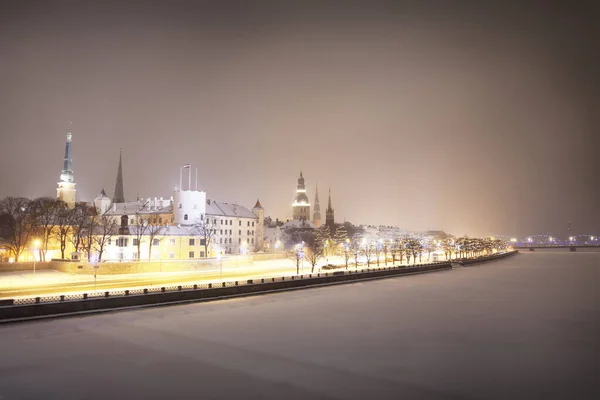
<point>471,118</point>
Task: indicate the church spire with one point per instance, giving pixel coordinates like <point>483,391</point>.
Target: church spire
<point>66,187</point>
<point>119,197</point>
<point>329,219</point>
<point>317,211</point>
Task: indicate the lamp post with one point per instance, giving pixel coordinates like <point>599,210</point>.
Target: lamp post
<point>36,245</point>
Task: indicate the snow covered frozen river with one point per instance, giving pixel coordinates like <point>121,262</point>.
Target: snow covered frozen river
<point>525,327</point>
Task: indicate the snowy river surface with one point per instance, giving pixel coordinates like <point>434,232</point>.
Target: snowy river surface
<point>526,327</point>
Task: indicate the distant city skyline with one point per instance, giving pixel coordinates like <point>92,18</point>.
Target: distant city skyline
<point>421,116</point>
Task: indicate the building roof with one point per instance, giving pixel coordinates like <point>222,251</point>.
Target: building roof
<point>258,205</point>
<point>137,207</point>
<point>228,210</point>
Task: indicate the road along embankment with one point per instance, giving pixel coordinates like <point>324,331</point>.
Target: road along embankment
<point>53,306</point>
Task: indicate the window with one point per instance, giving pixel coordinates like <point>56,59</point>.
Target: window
<point>221,231</point>
<point>221,222</point>
<point>201,217</point>
<point>191,254</point>
<point>252,240</point>
<point>136,242</point>
<point>240,241</point>
<point>240,223</point>
<point>109,241</point>
<point>122,242</point>
<point>131,221</point>
<point>185,217</point>
<point>248,223</point>
<point>248,233</point>
<point>172,241</point>
<point>192,242</point>
<point>171,255</point>
<point>201,254</point>
<point>155,242</point>
<point>202,243</point>
<point>240,233</point>
<point>230,231</point>
<point>230,222</point>
<point>221,241</point>
<point>229,240</point>
<point>252,223</point>
<point>179,205</point>
<point>252,232</point>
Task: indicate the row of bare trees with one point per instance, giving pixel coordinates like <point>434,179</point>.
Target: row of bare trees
<point>23,221</point>
<point>407,248</point>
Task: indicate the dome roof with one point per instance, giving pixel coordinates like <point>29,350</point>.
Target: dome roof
<point>301,198</point>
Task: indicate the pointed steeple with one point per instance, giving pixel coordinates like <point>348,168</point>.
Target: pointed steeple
<point>257,205</point>
<point>329,219</point>
<point>119,197</point>
<point>317,210</point>
<point>66,187</point>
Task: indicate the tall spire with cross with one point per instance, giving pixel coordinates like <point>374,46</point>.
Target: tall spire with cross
<point>329,219</point>
<point>317,210</point>
<point>66,187</point>
<point>118,196</point>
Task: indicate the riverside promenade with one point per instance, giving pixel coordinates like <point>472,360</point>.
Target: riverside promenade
<point>523,327</point>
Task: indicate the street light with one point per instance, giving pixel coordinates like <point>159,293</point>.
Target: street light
<point>36,245</point>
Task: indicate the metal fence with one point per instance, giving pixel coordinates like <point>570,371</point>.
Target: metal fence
<point>204,286</point>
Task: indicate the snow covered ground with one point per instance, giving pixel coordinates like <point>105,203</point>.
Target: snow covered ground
<point>525,327</point>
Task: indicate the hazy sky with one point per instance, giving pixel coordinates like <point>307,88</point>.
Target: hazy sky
<point>427,115</point>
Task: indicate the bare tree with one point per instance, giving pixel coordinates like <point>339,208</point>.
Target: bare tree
<point>154,230</point>
<point>206,229</point>
<point>140,229</point>
<point>368,250</point>
<point>106,228</point>
<point>295,254</point>
<point>79,221</point>
<point>64,217</point>
<point>19,224</point>
<point>313,255</point>
<point>46,212</point>
<point>346,252</point>
<point>88,233</point>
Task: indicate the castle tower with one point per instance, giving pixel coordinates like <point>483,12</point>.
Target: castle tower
<point>102,203</point>
<point>329,220</point>
<point>66,187</point>
<point>189,206</point>
<point>301,205</point>
<point>118,196</point>
<point>259,211</point>
<point>317,211</point>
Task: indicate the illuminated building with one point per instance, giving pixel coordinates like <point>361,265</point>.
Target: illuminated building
<point>66,186</point>
<point>301,205</point>
<point>317,210</point>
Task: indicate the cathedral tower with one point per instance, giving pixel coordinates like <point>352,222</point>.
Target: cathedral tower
<point>317,211</point>
<point>66,187</point>
<point>329,220</point>
<point>301,205</point>
<point>118,196</point>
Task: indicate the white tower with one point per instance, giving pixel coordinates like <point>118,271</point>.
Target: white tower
<point>66,187</point>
